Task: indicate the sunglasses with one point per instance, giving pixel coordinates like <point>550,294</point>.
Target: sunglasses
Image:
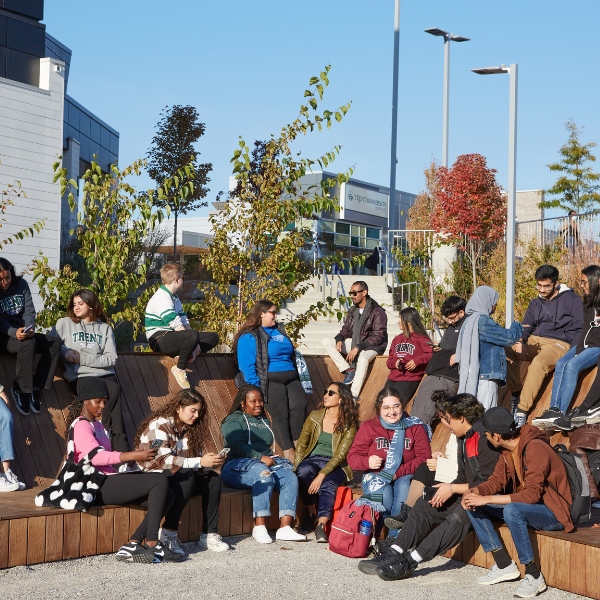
<point>330,393</point>
<point>273,312</point>
<point>356,293</point>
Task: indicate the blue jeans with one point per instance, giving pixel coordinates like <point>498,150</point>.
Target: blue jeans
<point>517,517</point>
<point>394,496</point>
<point>566,373</point>
<point>244,473</point>
<point>307,470</point>
<point>6,432</point>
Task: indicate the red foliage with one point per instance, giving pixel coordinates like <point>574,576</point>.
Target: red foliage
<point>470,201</point>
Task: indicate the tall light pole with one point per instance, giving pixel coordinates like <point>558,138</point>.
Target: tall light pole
<point>448,37</point>
<point>513,71</point>
<point>393,161</point>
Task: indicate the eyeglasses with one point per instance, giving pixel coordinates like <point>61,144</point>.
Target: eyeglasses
<point>544,287</point>
<point>390,408</point>
<point>354,293</point>
<point>330,393</point>
<point>452,318</point>
<point>273,312</point>
<point>584,282</point>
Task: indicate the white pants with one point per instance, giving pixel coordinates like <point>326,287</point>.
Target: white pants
<point>362,361</point>
<point>487,393</point>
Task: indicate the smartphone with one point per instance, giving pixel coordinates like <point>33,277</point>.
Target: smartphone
<point>429,493</point>
<point>28,329</point>
<point>432,345</point>
<point>225,451</point>
<point>156,444</point>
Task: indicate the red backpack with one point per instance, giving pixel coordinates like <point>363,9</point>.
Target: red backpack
<point>345,538</point>
<point>342,497</point>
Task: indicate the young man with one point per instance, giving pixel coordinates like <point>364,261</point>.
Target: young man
<point>168,329</point>
<point>441,371</point>
<point>362,338</point>
<point>418,541</point>
<point>541,500</point>
<point>551,327</point>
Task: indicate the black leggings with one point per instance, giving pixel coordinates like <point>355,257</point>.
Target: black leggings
<point>145,489</point>
<point>287,402</point>
<point>112,418</point>
<point>406,389</point>
<point>186,483</point>
<point>183,343</point>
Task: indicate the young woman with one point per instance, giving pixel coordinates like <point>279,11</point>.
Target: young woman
<point>265,355</point>
<point>18,336</point>
<point>409,354</point>
<point>148,489</point>
<point>392,430</point>
<point>88,349</point>
<point>9,482</point>
<point>179,426</point>
<point>320,461</point>
<point>251,464</point>
<point>583,356</point>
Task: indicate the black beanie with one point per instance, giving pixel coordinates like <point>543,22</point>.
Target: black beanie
<point>90,388</point>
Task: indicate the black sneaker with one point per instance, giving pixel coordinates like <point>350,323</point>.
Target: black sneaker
<point>21,399</point>
<point>165,554</point>
<point>548,418</point>
<point>137,553</point>
<point>567,422</point>
<point>320,534</point>
<point>587,417</point>
<point>397,522</point>
<point>387,554</point>
<point>36,401</point>
<point>382,546</point>
<point>401,568</point>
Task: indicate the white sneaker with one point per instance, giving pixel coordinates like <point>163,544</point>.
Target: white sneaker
<point>6,485</point>
<point>12,478</point>
<point>530,586</point>
<point>261,535</point>
<point>181,377</point>
<point>171,541</point>
<point>289,535</point>
<point>213,541</point>
<point>496,574</point>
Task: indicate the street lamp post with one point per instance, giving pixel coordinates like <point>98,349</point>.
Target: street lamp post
<point>393,161</point>
<point>448,37</point>
<point>513,71</point>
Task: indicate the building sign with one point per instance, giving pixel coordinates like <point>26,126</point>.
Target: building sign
<point>365,201</point>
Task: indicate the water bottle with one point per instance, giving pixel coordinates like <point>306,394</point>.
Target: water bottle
<point>365,528</point>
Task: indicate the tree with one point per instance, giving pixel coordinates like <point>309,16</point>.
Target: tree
<point>470,204</point>
<point>425,206</point>
<point>578,188</point>
<point>255,254</point>
<point>172,149</point>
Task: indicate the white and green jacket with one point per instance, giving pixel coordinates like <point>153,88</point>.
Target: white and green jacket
<point>164,313</point>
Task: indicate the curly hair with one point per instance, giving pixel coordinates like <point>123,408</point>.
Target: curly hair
<point>348,410</point>
<point>75,409</point>
<point>462,405</point>
<point>387,391</point>
<point>195,433</point>
<point>240,399</point>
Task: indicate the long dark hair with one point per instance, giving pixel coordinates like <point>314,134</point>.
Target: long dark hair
<point>92,301</point>
<point>6,265</point>
<point>240,399</point>
<point>75,409</point>
<point>388,390</point>
<point>195,433</point>
<point>410,316</point>
<point>592,298</point>
<point>348,410</point>
<point>252,320</point>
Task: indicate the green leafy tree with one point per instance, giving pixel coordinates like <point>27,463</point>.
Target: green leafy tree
<point>255,253</point>
<point>577,189</point>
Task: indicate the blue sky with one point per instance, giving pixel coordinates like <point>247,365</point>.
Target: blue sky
<point>245,66</point>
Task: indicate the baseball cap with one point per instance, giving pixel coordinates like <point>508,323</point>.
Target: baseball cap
<point>496,420</point>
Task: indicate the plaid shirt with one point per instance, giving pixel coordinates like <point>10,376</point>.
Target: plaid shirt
<point>173,453</point>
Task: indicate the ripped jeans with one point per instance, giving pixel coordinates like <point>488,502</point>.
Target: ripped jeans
<point>244,473</point>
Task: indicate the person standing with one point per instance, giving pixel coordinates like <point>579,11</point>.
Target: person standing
<point>362,338</point>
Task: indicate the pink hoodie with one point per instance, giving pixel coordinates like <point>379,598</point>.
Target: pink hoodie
<point>86,436</point>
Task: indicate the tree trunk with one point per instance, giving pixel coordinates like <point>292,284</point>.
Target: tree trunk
<point>175,238</point>
<point>472,245</point>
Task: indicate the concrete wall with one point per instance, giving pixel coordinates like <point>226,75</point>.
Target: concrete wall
<point>527,205</point>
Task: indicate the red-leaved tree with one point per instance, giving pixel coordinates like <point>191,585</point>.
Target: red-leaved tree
<point>469,203</point>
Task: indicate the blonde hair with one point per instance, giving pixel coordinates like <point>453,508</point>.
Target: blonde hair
<point>170,272</point>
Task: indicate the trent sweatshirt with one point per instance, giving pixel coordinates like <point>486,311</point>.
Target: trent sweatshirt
<point>16,307</point>
<point>164,313</point>
<point>405,349</point>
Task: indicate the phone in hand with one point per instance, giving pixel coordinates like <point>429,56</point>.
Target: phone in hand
<point>432,345</point>
<point>28,329</point>
<point>224,452</point>
<point>429,493</point>
<point>156,444</point>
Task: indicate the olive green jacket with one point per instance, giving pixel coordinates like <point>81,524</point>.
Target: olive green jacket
<point>313,427</point>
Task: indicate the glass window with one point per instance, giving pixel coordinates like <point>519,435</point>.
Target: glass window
<point>363,231</point>
<point>342,228</point>
<point>355,230</point>
<point>373,233</point>
<point>354,241</point>
<point>326,225</point>
<point>328,238</point>
<point>371,244</point>
<point>290,226</point>
<point>342,240</point>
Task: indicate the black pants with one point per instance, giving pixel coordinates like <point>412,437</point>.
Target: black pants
<point>406,389</point>
<point>145,489</point>
<point>26,350</point>
<point>593,396</point>
<point>112,418</point>
<point>186,483</point>
<point>287,402</point>
<point>183,343</point>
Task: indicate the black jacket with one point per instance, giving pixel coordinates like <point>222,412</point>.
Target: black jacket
<point>439,363</point>
<point>16,307</point>
<point>373,333</point>
<point>590,334</point>
<point>477,459</point>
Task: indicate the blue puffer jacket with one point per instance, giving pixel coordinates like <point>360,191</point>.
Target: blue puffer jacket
<point>492,339</point>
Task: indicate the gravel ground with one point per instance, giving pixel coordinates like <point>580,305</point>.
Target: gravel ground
<point>250,571</point>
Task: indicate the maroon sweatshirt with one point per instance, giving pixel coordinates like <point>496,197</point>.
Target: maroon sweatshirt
<point>372,439</point>
<point>406,350</point>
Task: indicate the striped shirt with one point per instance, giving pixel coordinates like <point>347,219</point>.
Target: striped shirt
<point>164,312</point>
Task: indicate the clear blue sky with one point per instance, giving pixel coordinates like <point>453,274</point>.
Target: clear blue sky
<point>245,66</point>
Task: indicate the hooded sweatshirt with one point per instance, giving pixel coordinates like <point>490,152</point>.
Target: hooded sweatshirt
<point>558,319</point>
<point>247,436</point>
<point>95,343</point>
<point>16,307</point>
<point>590,334</point>
<point>405,350</point>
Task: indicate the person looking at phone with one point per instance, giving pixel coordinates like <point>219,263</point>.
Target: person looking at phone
<point>178,432</point>
<point>251,464</point>
<point>18,336</point>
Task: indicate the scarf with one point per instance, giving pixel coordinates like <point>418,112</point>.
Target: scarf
<point>303,372</point>
<point>467,349</point>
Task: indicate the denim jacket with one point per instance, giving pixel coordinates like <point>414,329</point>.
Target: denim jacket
<point>492,339</point>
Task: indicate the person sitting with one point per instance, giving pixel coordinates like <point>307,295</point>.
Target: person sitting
<point>88,349</point>
<point>18,336</point>
<point>362,338</point>
<point>441,370</point>
<point>251,464</point>
<point>180,428</point>
<point>480,349</point>
<point>409,354</point>
<point>389,448</point>
<point>168,329</point>
<point>9,482</point>
<point>146,489</point>
<point>588,412</point>
<point>581,357</point>
<point>420,540</point>
<point>320,461</point>
<point>541,498</point>
<point>265,356</point>
<point>551,326</point>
